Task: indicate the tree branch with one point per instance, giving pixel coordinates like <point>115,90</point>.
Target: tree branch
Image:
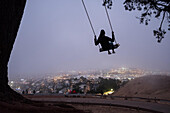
<point>162,20</point>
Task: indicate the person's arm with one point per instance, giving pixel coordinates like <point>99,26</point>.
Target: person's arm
<point>113,37</point>
<point>96,41</point>
<point>109,39</point>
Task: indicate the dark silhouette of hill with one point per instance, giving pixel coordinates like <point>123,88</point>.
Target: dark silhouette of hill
<point>147,86</point>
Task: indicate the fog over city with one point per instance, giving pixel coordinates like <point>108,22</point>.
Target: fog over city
<point>55,35</point>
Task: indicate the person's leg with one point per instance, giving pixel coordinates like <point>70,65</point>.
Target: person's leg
<point>112,47</point>
<point>113,51</point>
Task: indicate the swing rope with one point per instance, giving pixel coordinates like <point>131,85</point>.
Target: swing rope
<point>89,20</point>
<point>88,17</point>
<point>108,18</point>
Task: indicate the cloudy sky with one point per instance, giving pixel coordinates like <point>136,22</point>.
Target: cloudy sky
<point>55,35</point>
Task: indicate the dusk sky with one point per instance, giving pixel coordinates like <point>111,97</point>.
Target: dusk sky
<point>55,35</point>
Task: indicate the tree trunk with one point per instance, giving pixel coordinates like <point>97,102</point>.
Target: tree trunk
<point>11,12</point>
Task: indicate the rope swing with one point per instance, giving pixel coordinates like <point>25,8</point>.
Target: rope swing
<point>108,18</point>
<point>89,19</point>
<point>100,49</point>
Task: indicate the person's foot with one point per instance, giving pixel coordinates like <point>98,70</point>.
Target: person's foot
<point>109,53</point>
<point>113,51</point>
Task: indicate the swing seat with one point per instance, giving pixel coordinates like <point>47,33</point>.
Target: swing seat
<point>115,47</point>
<point>101,50</point>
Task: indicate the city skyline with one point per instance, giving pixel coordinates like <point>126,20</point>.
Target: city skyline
<point>115,71</point>
<point>53,37</point>
<point>63,83</point>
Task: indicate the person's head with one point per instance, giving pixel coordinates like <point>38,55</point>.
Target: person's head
<point>102,32</point>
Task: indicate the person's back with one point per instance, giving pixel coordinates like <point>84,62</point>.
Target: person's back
<point>104,41</point>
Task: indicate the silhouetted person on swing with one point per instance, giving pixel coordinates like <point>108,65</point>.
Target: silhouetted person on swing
<point>106,42</point>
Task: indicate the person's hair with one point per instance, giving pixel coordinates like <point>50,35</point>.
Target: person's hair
<point>102,32</point>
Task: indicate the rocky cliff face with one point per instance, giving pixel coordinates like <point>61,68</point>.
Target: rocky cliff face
<point>11,12</point>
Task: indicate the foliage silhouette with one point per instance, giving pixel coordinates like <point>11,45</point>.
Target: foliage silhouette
<point>158,8</point>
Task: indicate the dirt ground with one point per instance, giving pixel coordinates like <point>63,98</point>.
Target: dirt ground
<point>62,108</point>
<point>16,107</point>
<point>106,109</point>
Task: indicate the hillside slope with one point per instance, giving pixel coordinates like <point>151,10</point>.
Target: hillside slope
<point>147,86</point>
